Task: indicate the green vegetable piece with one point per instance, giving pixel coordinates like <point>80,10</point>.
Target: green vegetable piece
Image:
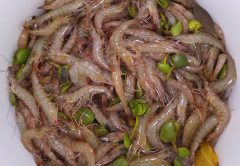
<point>101,131</point>
<point>65,87</point>
<point>126,141</point>
<point>12,99</point>
<point>222,72</point>
<point>194,25</point>
<point>135,127</point>
<point>85,115</point>
<point>20,74</point>
<point>21,56</point>
<point>139,107</point>
<point>183,152</point>
<point>179,60</point>
<point>62,116</point>
<point>115,101</point>
<point>120,161</point>
<point>163,3</point>
<point>132,11</point>
<point>177,163</point>
<point>63,75</point>
<point>177,29</point>
<point>164,67</point>
<point>168,132</point>
<point>178,126</point>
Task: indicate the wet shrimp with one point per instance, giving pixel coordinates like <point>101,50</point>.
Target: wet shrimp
<point>103,149</point>
<point>49,108</point>
<point>22,125</point>
<point>56,4</point>
<point>89,137</point>
<point>84,94</point>
<point>63,58</point>
<point>51,27</point>
<point>108,12</point>
<point>221,110</point>
<point>113,137</point>
<point>212,56</point>
<point>156,122</point>
<point>116,121</point>
<point>220,62</point>
<point>23,39</point>
<point>70,43</point>
<point>189,15</point>
<point>151,6</point>
<point>182,108</point>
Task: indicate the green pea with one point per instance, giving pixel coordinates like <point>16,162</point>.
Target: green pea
<point>183,152</point>
<point>179,60</point>
<point>222,72</point>
<point>138,106</point>
<point>62,116</point>
<point>132,11</point>
<point>21,56</point>
<point>194,25</point>
<point>12,99</point>
<point>177,29</point>
<point>162,3</point>
<point>126,141</point>
<point>168,132</point>
<point>164,67</point>
<point>120,161</point>
<point>85,115</point>
<point>101,131</point>
<point>177,163</point>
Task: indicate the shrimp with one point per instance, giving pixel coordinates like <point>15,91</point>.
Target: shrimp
<point>49,108</point>
<point>31,122</point>
<point>116,121</point>
<point>89,137</point>
<point>22,125</point>
<point>50,28</point>
<point>144,34</point>
<point>30,134</point>
<point>113,137</point>
<point>182,88</point>
<point>72,130</point>
<point>56,4</point>
<point>25,96</point>
<point>192,77</point>
<point>23,39</point>
<point>108,12</point>
<point>180,17</point>
<point>103,149</point>
<point>98,44</point>
<point>63,150</point>
<point>70,43</point>
<point>140,141</point>
<point>182,108</point>
<point>220,62</point>
<point>157,121</point>
<point>193,122</point>
<point>230,78</point>
<point>37,52</point>
<point>116,40</point>
<point>58,39</point>
<point>68,9</point>
<point>200,38</point>
<point>116,152</point>
<point>151,6</point>
<point>84,150</point>
<point>189,15</point>
<point>118,83</point>
<point>212,56</point>
<point>220,109</point>
<point>101,118</point>
<point>84,93</point>
<point>210,123</point>
<point>63,58</point>
<point>170,17</point>
<point>165,46</point>
<point>86,69</point>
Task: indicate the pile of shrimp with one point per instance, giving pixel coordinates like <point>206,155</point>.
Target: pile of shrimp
<point>105,54</point>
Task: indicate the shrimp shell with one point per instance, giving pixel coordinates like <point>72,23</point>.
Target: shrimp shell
<point>182,108</point>
<point>210,123</point>
<point>63,58</point>
<point>63,150</point>
<point>70,43</point>
<point>89,137</point>
<point>22,125</point>
<point>56,4</point>
<point>69,8</point>
<point>212,56</point>
<point>116,121</point>
<point>220,62</point>
<point>23,38</point>
<point>113,137</point>
<point>72,130</point>
<point>189,15</point>
<point>157,121</point>
<point>228,81</point>
<point>98,44</point>
<point>152,7</point>
<point>220,109</point>
<point>49,108</point>
<point>103,149</point>
<point>51,27</point>
<point>108,12</point>
<point>190,127</point>
<point>116,152</point>
<point>200,38</point>
<point>84,93</point>
<point>25,96</point>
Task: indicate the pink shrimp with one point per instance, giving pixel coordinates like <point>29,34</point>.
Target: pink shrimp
<point>41,96</point>
<point>89,137</point>
<point>212,56</point>
<point>23,39</point>
<point>113,137</point>
<point>22,125</point>
<point>103,149</point>
<point>63,58</point>
<point>182,108</point>
<point>220,62</point>
<point>71,41</point>
<point>116,121</point>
